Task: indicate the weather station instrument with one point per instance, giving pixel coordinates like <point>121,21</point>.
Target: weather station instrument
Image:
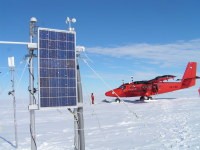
<point>59,80</point>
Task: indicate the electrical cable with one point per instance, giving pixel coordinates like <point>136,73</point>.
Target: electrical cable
<point>135,114</point>
<point>19,81</point>
<point>32,93</point>
<point>31,56</point>
<point>22,75</point>
<point>77,121</point>
<point>93,111</point>
<point>33,137</point>
<point>76,118</point>
<point>88,57</point>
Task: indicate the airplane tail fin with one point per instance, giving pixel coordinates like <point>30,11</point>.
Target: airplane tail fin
<point>189,77</point>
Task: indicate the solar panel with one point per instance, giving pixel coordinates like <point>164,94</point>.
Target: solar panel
<point>57,68</point>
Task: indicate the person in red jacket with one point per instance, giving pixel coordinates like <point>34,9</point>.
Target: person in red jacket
<point>92,98</point>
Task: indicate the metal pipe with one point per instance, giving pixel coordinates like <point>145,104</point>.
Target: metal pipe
<point>79,112</point>
<point>10,42</point>
<point>31,90</point>
<point>14,105</point>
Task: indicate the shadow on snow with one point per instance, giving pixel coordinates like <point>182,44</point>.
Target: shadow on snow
<point>137,101</point>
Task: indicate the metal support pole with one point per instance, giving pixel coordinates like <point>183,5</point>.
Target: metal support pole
<point>31,87</point>
<point>14,104</point>
<point>76,137</point>
<point>31,97</point>
<point>79,124</point>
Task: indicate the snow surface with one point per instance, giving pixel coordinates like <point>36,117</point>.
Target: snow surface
<point>161,124</point>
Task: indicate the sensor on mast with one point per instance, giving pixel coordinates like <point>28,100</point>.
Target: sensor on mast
<point>69,21</point>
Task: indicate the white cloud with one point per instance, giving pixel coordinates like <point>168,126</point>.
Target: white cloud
<point>146,56</point>
<point>172,53</point>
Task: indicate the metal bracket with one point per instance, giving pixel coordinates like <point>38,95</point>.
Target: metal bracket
<point>80,104</point>
<point>32,45</point>
<point>33,107</point>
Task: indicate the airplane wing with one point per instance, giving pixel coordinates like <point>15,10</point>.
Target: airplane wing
<point>161,78</point>
<point>197,77</point>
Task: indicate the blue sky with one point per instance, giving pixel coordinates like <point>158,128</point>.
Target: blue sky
<point>123,38</point>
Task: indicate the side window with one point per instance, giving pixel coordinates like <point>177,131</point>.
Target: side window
<point>123,87</point>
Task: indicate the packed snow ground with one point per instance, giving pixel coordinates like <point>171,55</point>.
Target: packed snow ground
<point>162,124</point>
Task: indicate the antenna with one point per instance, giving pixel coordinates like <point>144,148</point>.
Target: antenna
<point>122,81</point>
<point>132,78</point>
<point>69,21</point>
<point>33,22</point>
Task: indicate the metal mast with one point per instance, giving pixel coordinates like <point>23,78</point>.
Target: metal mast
<point>78,112</point>
<point>31,86</point>
<point>12,92</point>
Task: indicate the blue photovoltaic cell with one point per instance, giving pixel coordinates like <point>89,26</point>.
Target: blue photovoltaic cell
<point>57,68</point>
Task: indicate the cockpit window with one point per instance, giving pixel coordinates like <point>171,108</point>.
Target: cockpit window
<point>122,87</point>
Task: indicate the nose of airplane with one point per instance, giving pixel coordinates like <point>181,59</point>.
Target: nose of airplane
<point>109,93</point>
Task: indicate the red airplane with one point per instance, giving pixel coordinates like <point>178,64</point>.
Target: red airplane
<point>158,85</point>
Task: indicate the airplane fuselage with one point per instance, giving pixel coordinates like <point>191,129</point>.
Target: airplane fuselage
<point>134,90</point>
<point>158,85</point>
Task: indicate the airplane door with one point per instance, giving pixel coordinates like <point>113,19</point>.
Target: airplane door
<point>155,88</point>
<point>144,88</point>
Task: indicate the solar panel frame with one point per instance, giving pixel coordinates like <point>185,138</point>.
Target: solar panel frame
<point>57,72</point>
